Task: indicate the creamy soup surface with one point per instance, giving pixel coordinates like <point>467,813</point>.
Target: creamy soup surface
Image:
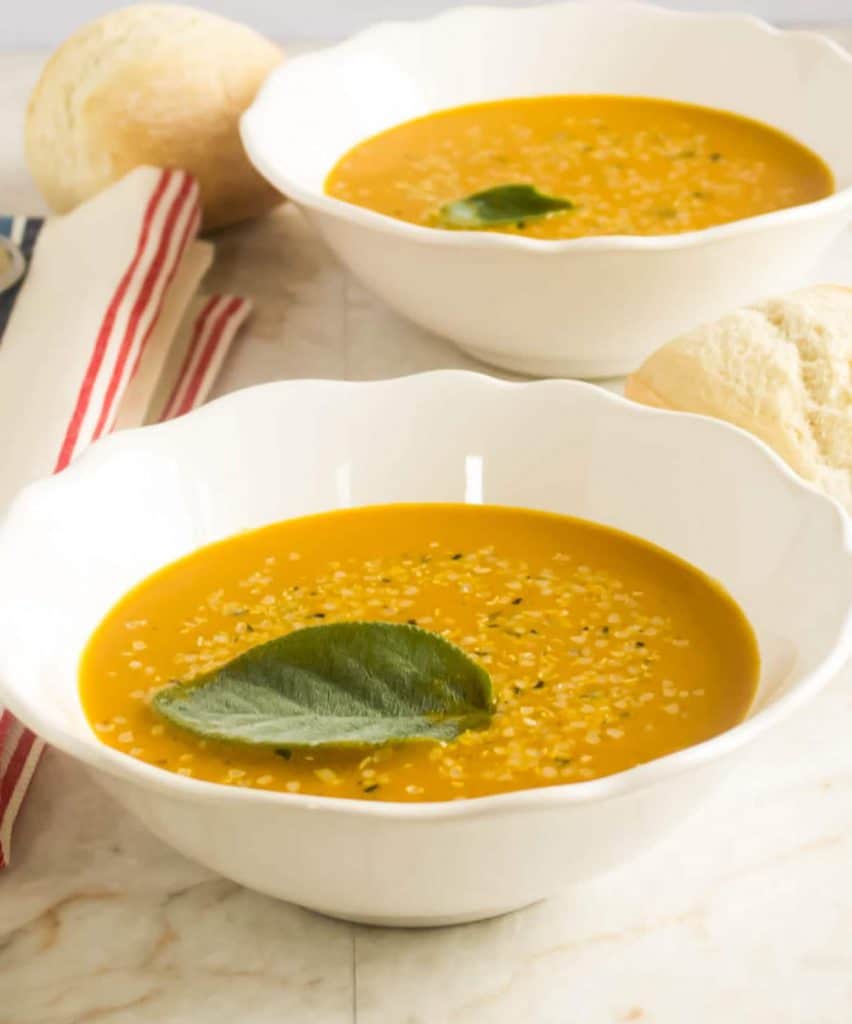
<point>630,165</point>
<point>605,652</point>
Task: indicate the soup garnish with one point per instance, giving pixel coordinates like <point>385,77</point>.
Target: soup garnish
<point>504,204</point>
<point>345,684</point>
<point>603,651</point>
<point>625,165</point>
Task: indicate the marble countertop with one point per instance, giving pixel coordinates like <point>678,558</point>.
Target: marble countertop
<point>743,915</point>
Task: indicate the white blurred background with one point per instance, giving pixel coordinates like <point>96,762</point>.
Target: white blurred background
<point>41,24</point>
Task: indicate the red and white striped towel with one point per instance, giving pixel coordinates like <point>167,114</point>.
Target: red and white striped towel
<point>195,361</point>
<point>105,332</point>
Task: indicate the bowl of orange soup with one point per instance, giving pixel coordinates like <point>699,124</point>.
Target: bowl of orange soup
<point>419,651</point>
<point>560,189</point>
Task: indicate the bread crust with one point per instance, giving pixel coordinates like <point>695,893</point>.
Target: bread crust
<point>638,391</point>
<point>156,85</point>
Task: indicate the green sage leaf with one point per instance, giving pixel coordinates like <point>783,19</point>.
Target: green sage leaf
<point>349,683</point>
<point>505,204</point>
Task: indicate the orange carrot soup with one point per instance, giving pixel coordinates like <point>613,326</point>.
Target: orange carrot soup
<point>557,167</point>
<point>418,652</point>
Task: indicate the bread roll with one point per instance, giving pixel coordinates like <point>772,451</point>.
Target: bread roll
<point>781,369</point>
<point>157,85</point>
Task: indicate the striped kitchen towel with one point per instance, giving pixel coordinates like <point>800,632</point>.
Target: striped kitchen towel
<point>105,331</point>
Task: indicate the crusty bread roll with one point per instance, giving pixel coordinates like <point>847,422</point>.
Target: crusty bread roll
<point>157,85</point>
<point>781,369</point>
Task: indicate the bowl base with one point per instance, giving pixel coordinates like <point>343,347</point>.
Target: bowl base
<point>419,921</point>
<point>532,366</point>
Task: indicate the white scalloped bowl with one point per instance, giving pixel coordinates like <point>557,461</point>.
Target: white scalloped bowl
<point>72,545</point>
<point>589,307</point>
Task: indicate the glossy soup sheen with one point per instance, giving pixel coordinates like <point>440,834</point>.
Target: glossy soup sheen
<point>631,166</point>
<point>605,652</point>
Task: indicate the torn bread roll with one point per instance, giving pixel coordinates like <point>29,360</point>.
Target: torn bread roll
<point>781,369</point>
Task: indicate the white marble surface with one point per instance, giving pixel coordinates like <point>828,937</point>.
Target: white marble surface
<point>744,915</point>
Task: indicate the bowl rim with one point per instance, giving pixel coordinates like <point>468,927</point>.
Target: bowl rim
<point>101,757</point>
<point>251,133</point>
